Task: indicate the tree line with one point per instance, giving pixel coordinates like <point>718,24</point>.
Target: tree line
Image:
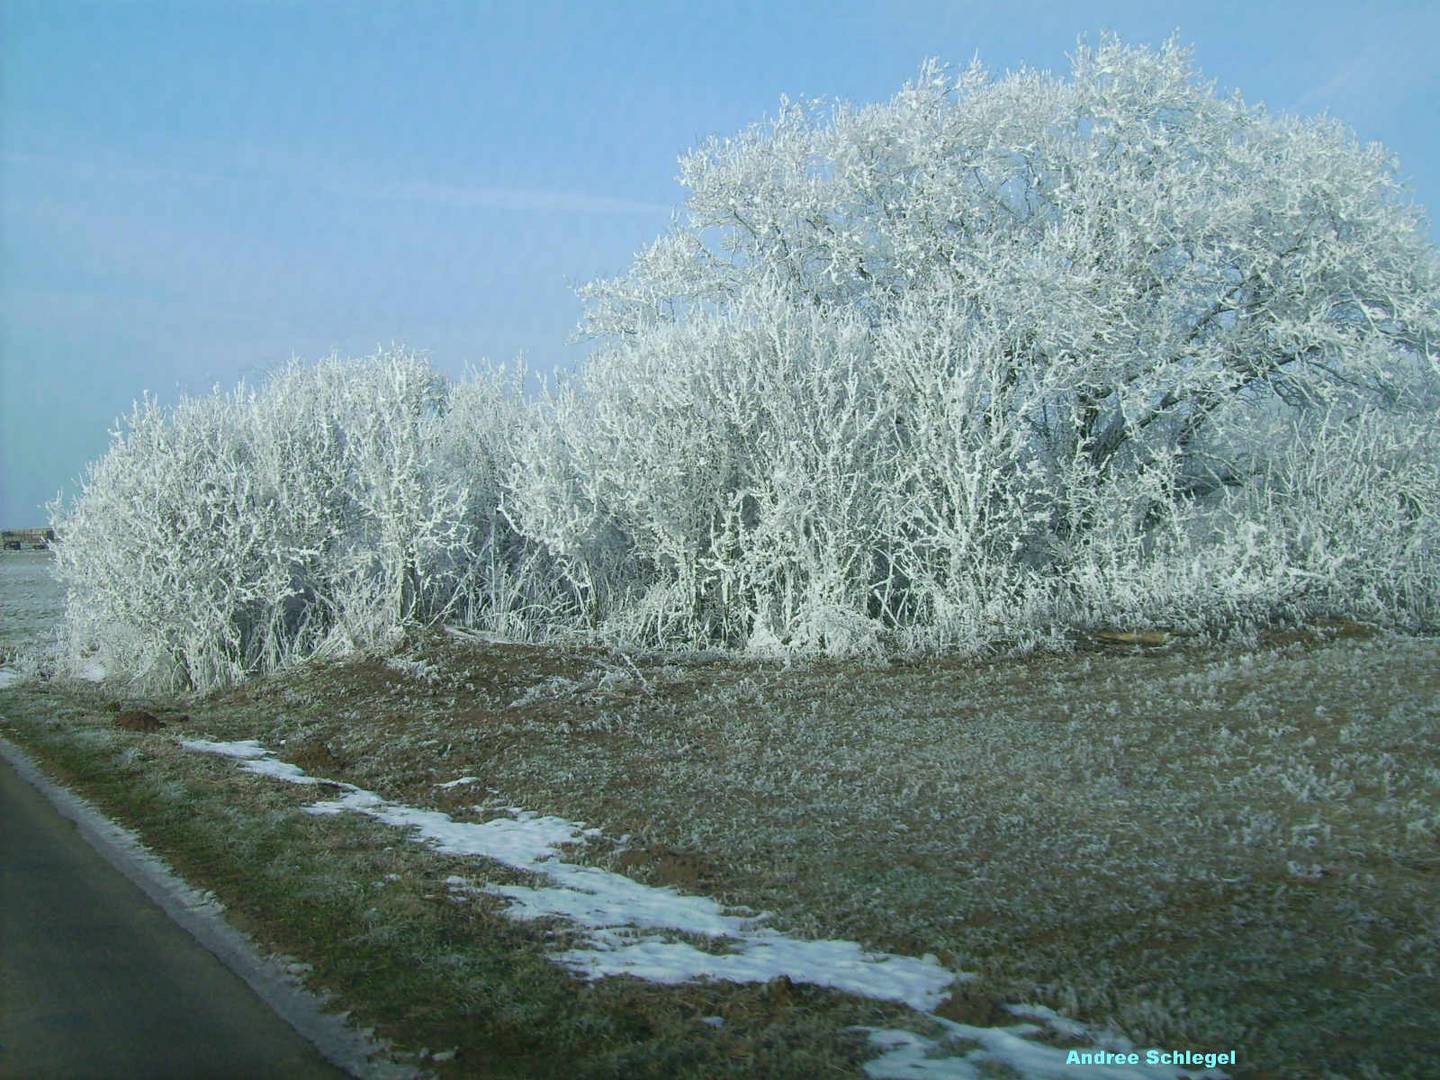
<point>992,359</point>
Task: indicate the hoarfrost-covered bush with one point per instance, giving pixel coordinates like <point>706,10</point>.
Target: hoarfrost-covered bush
<point>703,490</point>
<point>509,586</point>
<point>160,556</point>
<point>336,504</point>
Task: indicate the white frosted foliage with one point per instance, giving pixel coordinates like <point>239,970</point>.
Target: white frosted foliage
<point>991,359</point>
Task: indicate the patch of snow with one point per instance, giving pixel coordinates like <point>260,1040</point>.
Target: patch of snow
<point>244,749</point>
<point>1061,1025</point>
<point>461,891</point>
<point>603,900</point>
<point>255,758</point>
<point>459,781</point>
<point>840,965</point>
<point>524,843</point>
<point>9,677</point>
<point>282,770</point>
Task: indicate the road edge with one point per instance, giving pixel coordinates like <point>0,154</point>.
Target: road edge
<point>201,915</point>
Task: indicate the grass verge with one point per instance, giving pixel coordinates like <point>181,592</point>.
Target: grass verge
<point>1206,848</point>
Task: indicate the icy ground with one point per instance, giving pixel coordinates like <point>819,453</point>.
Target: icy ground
<point>626,925</point>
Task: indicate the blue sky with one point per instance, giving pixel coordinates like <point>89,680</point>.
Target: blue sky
<point>193,192</point>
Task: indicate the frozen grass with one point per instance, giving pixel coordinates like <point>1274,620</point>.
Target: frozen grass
<point>631,929</point>
<point>1205,848</point>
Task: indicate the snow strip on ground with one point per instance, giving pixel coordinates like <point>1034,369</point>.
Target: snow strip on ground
<point>626,922</point>
<point>459,782</point>
<point>9,677</point>
<point>255,758</point>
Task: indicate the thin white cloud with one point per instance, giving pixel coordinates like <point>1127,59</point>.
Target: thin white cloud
<point>265,167</point>
<point>101,166</point>
<point>521,199</point>
<point>1372,81</point>
<point>1358,73</point>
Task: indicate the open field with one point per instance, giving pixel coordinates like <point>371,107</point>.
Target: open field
<point>31,601</point>
<point>1202,847</point>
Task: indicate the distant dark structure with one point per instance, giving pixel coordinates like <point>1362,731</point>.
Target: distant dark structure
<point>20,539</point>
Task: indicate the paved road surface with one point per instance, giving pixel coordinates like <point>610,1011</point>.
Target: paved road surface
<point>97,981</point>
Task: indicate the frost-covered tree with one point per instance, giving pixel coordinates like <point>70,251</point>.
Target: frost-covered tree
<point>953,359</point>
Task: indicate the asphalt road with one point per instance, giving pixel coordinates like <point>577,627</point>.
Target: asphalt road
<point>97,981</point>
